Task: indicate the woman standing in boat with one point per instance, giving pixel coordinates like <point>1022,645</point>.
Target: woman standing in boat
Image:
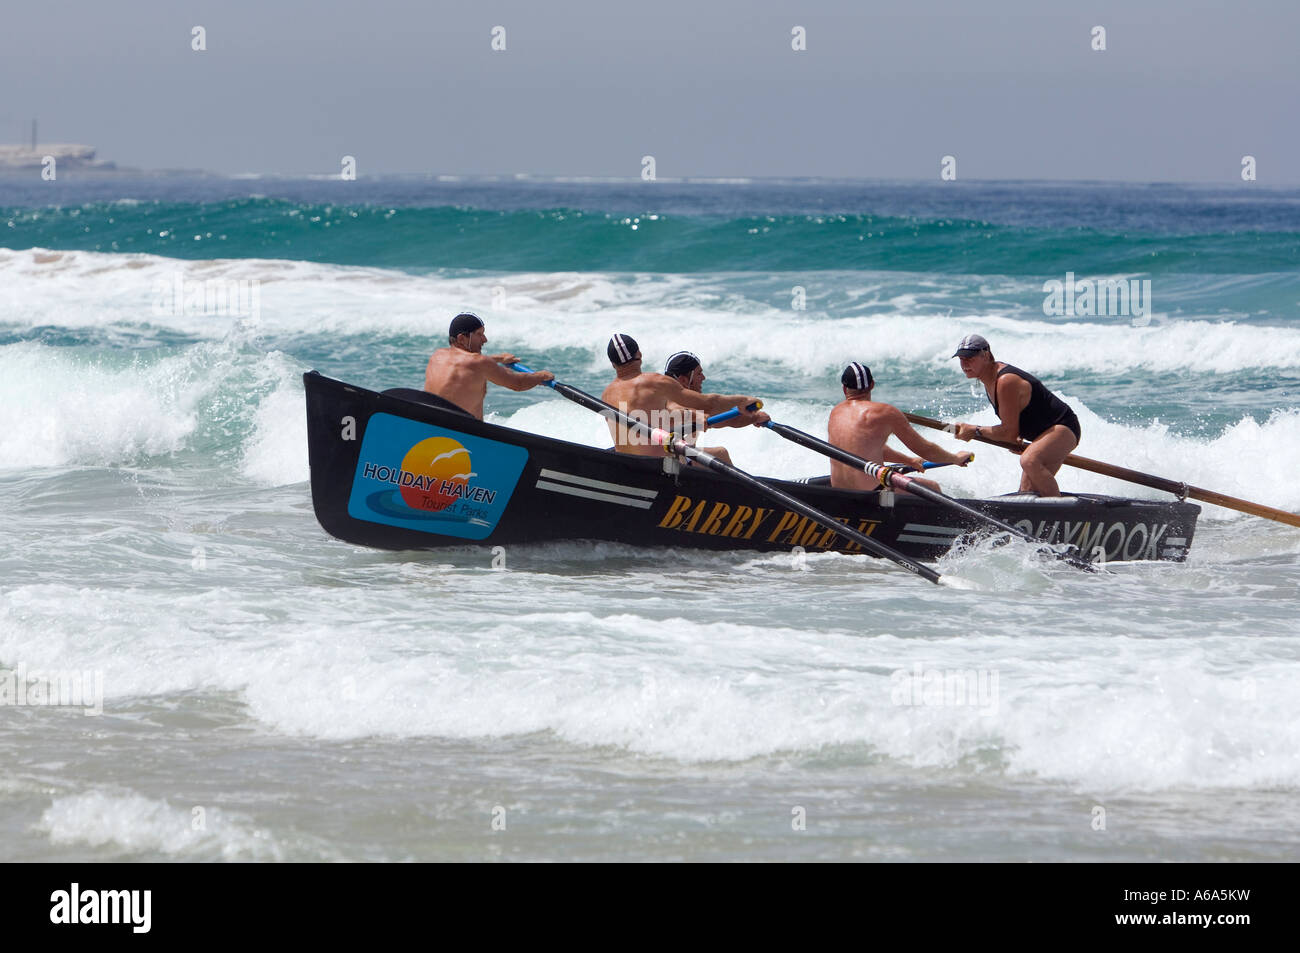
<point>1027,410</point>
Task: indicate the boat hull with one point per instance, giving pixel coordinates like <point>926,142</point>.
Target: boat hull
<point>392,472</point>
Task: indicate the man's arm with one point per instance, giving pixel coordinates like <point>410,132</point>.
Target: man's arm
<point>893,456</point>
<point>900,428</point>
<point>504,376</point>
<point>715,404</point>
<point>709,403</point>
<point>697,418</point>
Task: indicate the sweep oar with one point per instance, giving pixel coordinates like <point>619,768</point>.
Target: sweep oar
<point>676,445</point>
<point>1180,490</point>
<point>888,476</point>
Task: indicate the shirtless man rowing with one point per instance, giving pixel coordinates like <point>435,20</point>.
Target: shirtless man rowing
<point>460,373</point>
<point>664,402</point>
<point>861,426</point>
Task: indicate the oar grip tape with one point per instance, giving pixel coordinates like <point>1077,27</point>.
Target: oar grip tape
<point>886,475</point>
<point>663,438</point>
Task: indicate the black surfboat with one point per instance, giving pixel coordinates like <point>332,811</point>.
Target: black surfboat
<point>403,470</point>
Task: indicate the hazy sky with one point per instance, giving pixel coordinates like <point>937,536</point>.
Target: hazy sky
<point>1012,89</point>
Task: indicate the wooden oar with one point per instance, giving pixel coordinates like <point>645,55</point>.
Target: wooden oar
<point>900,481</point>
<point>1180,490</point>
<point>676,445</point>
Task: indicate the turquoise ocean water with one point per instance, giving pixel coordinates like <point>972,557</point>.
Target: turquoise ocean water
<point>319,701</point>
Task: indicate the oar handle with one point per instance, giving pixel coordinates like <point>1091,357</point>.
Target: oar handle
<point>930,464</point>
<point>733,413</point>
<point>523,368</point>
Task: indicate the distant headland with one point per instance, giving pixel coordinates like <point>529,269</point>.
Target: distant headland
<point>68,156</point>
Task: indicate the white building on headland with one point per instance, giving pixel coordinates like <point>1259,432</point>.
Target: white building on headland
<point>67,156</point>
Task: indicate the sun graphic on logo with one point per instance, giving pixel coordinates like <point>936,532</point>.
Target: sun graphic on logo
<point>440,460</point>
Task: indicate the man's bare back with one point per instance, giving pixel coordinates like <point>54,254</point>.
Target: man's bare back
<point>863,426</point>
<point>460,377</point>
<point>460,373</point>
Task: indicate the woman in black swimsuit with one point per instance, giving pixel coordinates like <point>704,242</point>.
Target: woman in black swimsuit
<point>1027,410</point>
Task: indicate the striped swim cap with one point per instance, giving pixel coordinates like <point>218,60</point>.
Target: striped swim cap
<point>622,348</point>
<point>857,377</point>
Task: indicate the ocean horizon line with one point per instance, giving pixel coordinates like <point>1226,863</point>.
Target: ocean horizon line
<point>128,172</point>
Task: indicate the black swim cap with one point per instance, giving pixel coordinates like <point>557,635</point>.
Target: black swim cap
<point>467,322</point>
<point>681,364</point>
<point>857,377</point>
<point>622,349</point>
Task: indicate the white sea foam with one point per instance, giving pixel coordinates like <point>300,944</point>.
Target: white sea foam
<point>1156,709</point>
<point>134,824</point>
<point>733,320</point>
<point>276,453</point>
<point>66,406</point>
<point>61,407</point>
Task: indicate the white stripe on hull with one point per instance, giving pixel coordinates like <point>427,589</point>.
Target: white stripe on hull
<point>949,531</point>
<point>596,484</point>
<point>593,495</point>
